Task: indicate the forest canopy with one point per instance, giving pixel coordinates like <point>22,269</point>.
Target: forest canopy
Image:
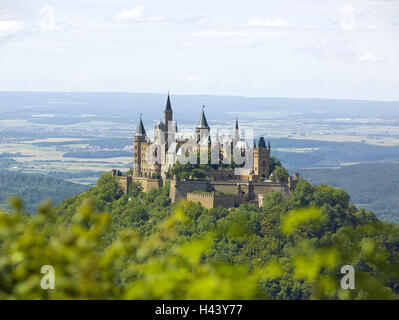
<point>107,245</point>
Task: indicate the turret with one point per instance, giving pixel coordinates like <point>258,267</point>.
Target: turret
<point>261,159</point>
<point>202,129</point>
<point>262,143</point>
<point>236,133</point>
<point>168,113</point>
<point>138,140</point>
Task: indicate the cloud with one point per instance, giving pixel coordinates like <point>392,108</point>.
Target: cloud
<point>219,34</point>
<point>191,78</point>
<point>340,48</point>
<point>269,23</point>
<point>369,57</point>
<point>336,48</point>
<point>138,15</point>
<point>15,24</point>
<point>135,14</point>
<point>10,29</point>
<point>10,26</point>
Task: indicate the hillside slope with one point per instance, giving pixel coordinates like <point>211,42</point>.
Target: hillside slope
<point>33,189</point>
<point>107,245</point>
<point>374,186</point>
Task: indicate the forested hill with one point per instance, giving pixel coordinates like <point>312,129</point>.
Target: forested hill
<point>107,245</point>
<point>34,188</point>
<point>374,186</point>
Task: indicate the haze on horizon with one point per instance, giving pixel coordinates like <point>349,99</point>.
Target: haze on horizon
<point>312,49</point>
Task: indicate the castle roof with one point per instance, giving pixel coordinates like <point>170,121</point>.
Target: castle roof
<point>140,131</point>
<point>168,104</point>
<point>237,123</point>
<point>262,143</point>
<point>203,124</point>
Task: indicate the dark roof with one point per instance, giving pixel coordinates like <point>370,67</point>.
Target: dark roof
<point>254,143</point>
<point>203,124</point>
<point>168,104</point>
<point>140,131</point>
<point>237,123</point>
<point>262,143</point>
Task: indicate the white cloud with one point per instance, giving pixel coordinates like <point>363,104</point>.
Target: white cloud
<point>330,48</point>
<point>219,34</point>
<point>10,29</point>
<point>138,15</point>
<point>135,14</point>
<point>348,18</point>
<point>15,24</point>
<point>191,78</point>
<point>10,26</point>
<point>369,57</point>
<point>269,23</point>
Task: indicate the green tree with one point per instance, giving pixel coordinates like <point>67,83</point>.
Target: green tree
<point>274,163</point>
<point>280,174</point>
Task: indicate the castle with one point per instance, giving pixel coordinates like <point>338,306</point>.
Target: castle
<point>226,171</point>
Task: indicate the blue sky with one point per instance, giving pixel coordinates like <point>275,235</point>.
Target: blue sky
<point>308,48</point>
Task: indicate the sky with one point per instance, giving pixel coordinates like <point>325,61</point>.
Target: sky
<point>262,48</point>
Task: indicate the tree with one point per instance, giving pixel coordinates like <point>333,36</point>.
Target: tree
<point>274,163</point>
<point>198,174</point>
<point>280,174</point>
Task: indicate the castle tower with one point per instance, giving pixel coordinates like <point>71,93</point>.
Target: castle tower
<point>236,137</point>
<point>168,113</point>
<point>202,129</point>
<point>261,159</point>
<point>138,139</point>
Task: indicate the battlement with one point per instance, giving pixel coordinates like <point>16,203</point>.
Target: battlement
<point>147,184</point>
<point>210,193</point>
<point>213,199</point>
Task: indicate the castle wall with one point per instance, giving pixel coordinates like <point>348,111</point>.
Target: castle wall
<point>211,200</point>
<point>206,200</point>
<point>225,201</point>
<point>179,189</point>
<point>268,187</point>
<point>225,186</point>
<point>148,183</point>
<point>124,182</point>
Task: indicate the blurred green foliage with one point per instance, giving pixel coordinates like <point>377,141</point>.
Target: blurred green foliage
<point>107,245</point>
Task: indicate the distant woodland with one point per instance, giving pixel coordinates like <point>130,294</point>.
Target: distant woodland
<point>33,189</point>
<point>374,186</point>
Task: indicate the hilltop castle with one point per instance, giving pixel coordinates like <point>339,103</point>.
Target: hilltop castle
<point>216,178</point>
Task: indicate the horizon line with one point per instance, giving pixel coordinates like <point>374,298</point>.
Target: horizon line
<point>197,94</point>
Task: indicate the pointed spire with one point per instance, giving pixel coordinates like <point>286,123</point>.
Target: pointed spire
<point>203,124</point>
<point>262,143</point>
<point>140,131</point>
<point>268,145</point>
<point>254,144</point>
<point>168,104</point>
<point>237,123</point>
